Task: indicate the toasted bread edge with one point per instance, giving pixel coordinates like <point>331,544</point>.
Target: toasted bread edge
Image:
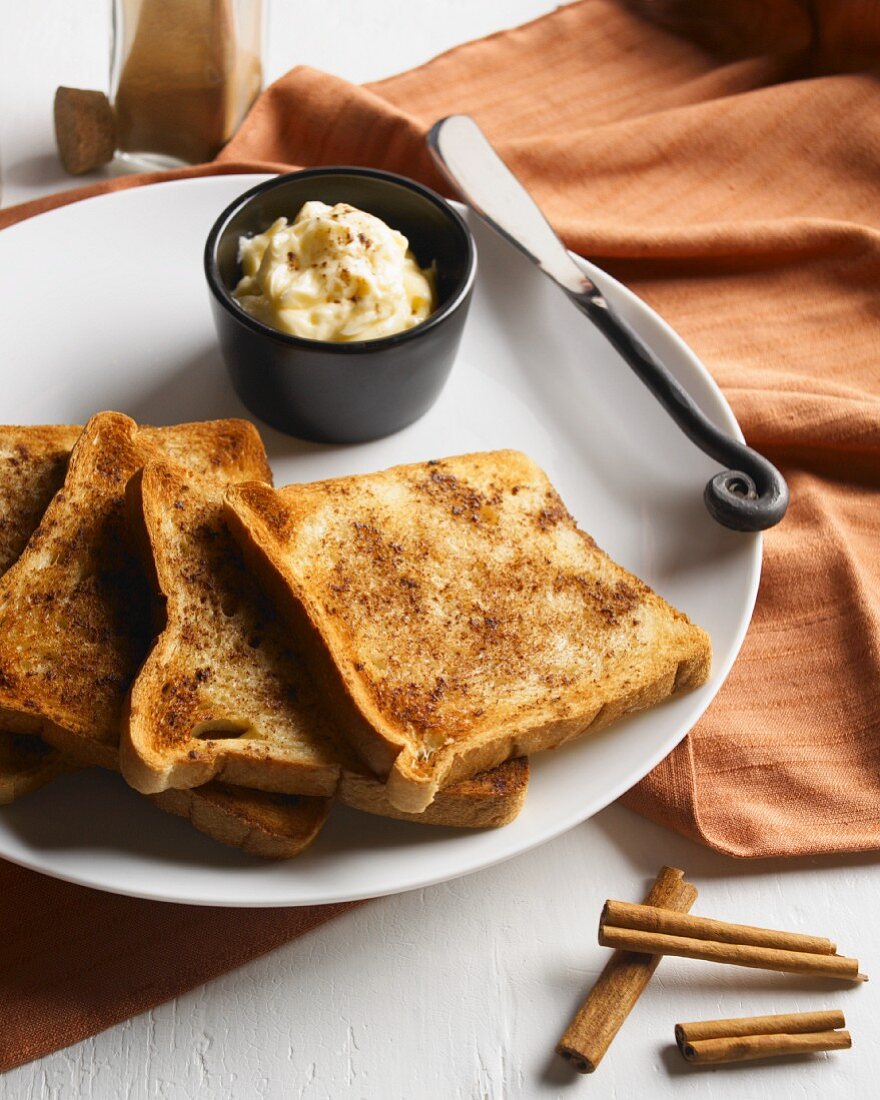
<point>488,800</point>
<point>232,817</point>
<point>411,786</point>
<point>146,769</point>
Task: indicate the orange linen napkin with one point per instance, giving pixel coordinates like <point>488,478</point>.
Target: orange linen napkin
<point>75,961</point>
<point>723,160</point>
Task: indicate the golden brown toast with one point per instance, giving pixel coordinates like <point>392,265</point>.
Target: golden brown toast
<point>274,826</point>
<point>74,608</point>
<point>488,800</point>
<point>457,616</point>
<point>223,693</point>
<point>33,462</point>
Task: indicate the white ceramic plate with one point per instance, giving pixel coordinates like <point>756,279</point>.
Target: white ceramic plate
<point>105,307</point>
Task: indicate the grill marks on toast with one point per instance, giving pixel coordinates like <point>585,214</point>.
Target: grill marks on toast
<point>224,691</point>
<point>74,608</point>
<point>462,615</point>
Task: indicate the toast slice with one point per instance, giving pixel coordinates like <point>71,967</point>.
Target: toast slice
<point>224,692</point>
<point>74,608</point>
<point>26,764</point>
<point>33,462</point>
<point>487,801</point>
<point>273,826</point>
<point>458,617</point>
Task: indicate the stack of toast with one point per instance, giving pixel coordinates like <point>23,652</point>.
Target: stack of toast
<point>397,642</point>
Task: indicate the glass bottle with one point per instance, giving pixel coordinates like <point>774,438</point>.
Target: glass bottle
<point>183,74</point>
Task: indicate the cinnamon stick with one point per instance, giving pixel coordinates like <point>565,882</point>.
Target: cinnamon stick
<point>647,918</point>
<point>786,1023</point>
<point>762,958</point>
<point>750,1047</point>
<point>621,983</point>
<point>713,1041</point>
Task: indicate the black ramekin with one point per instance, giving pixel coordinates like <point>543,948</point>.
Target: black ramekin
<point>343,393</point>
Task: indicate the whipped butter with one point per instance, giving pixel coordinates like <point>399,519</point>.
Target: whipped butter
<point>336,274</point>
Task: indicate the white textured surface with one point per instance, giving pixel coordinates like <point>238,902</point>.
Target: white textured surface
<point>456,992</point>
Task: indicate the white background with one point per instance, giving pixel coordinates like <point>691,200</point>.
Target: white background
<point>459,991</point>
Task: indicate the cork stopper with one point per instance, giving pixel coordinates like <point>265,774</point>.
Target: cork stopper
<point>85,129</point>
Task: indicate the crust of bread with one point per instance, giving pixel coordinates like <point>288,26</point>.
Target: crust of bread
<point>74,620</point>
<point>459,617</point>
<point>181,523</point>
<point>33,462</point>
<point>26,764</point>
<point>488,800</point>
<point>223,663</point>
<point>273,826</point>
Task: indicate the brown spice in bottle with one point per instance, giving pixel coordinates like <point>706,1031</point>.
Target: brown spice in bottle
<point>186,81</point>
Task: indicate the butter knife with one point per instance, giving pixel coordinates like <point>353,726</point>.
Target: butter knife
<point>750,494</point>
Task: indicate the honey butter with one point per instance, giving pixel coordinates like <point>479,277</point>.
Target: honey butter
<point>335,274</point>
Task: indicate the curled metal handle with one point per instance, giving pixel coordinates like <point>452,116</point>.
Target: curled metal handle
<point>751,494</point>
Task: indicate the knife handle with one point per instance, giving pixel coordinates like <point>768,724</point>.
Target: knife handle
<point>750,494</point>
